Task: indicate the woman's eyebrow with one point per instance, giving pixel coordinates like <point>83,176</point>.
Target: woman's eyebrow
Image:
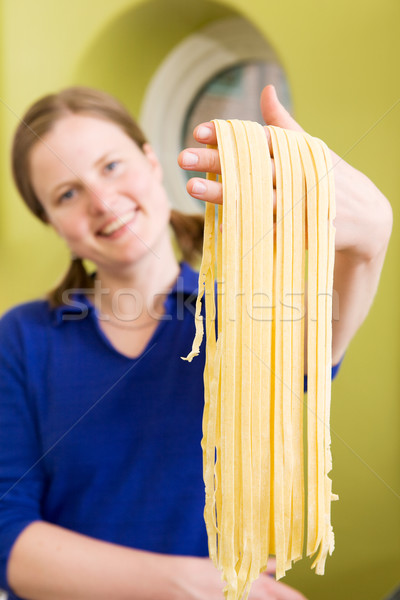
<point>104,157</point>
<point>67,182</point>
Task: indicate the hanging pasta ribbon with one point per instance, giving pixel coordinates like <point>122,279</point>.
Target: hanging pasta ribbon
<point>252,443</point>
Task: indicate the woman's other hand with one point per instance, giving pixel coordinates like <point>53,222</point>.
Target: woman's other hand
<point>198,579</point>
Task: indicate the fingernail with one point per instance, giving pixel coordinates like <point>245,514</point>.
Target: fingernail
<point>199,187</point>
<point>203,132</point>
<point>189,159</point>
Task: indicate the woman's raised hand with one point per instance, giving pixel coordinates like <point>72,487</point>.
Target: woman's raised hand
<point>363,214</point>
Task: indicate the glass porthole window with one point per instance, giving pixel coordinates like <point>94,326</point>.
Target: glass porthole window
<point>233,93</point>
<point>215,73</point>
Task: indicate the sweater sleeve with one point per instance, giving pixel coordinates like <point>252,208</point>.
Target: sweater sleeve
<point>335,371</point>
<point>21,475</point>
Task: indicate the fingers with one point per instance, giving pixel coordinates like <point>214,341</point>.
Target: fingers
<point>266,588</point>
<point>202,189</point>
<point>207,160</point>
<point>205,134</point>
<point>210,191</point>
<point>271,566</point>
<point>204,160</point>
<point>274,113</point>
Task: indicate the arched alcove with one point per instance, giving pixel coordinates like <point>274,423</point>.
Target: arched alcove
<point>126,52</point>
<point>159,56</point>
<point>197,82</point>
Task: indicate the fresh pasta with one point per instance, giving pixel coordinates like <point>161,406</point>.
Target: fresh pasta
<point>253,456</point>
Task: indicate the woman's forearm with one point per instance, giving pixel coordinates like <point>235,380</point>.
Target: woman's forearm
<point>355,286</point>
<point>363,227</point>
<point>48,562</point>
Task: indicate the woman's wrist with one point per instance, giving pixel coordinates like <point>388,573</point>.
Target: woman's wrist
<point>364,217</point>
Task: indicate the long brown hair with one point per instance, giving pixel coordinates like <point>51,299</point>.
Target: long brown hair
<point>38,121</point>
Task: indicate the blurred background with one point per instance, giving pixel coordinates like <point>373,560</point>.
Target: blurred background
<point>177,62</point>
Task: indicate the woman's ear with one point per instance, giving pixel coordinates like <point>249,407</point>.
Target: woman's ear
<point>153,160</point>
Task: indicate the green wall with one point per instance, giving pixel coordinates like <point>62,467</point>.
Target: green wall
<point>341,59</point>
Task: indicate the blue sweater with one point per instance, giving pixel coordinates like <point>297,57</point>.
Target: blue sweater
<point>94,441</point>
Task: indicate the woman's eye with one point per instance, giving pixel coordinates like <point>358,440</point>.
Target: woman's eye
<point>111,166</point>
<point>67,195</point>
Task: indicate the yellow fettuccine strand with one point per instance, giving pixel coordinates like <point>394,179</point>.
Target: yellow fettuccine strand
<point>253,453</point>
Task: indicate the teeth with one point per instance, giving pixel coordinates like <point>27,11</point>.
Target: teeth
<point>118,223</point>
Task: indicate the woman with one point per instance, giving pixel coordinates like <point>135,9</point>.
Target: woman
<point>100,464</point>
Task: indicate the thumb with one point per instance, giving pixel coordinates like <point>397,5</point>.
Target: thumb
<point>274,113</point>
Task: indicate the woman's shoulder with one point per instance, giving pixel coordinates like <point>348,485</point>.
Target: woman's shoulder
<point>35,312</point>
<point>22,329</point>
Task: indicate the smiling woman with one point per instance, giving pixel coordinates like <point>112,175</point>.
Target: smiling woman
<point>93,181</point>
<point>95,178</point>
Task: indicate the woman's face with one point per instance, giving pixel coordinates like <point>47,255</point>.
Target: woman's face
<point>101,193</point>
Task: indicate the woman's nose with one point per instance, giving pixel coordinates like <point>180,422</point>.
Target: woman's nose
<point>99,199</point>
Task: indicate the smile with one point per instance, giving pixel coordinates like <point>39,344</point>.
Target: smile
<point>118,223</point>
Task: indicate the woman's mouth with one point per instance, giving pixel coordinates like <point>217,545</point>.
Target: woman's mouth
<point>118,224</point>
